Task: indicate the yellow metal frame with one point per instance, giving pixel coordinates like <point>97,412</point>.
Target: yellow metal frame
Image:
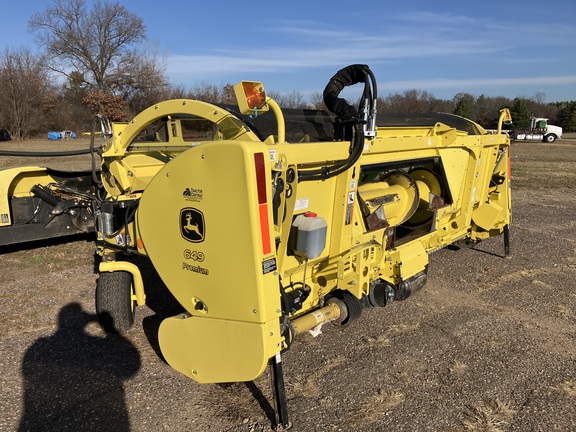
<point>137,282</point>
<point>231,302</point>
<point>216,226</point>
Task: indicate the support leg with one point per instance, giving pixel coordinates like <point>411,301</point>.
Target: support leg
<point>507,241</point>
<point>279,392</point>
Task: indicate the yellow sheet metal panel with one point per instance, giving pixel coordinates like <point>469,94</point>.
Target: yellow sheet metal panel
<point>215,350</point>
<point>488,215</point>
<point>17,182</point>
<point>405,261</point>
<point>133,172</point>
<point>209,235</point>
<point>456,164</point>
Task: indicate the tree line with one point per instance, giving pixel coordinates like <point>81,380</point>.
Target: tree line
<point>91,62</point>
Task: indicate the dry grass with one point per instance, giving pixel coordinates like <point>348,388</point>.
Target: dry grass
<point>403,328</point>
<point>374,407</point>
<point>487,416</point>
<point>309,386</point>
<point>232,401</point>
<point>564,311</point>
<point>567,387</point>
<point>44,259</point>
<point>458,368</point>
<point>378,341</point>
<point>535,173</point>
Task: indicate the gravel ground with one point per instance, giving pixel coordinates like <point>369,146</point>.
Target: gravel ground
<point>488,345</point>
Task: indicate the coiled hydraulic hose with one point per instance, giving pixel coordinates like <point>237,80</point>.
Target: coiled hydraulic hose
<point>348,115</point>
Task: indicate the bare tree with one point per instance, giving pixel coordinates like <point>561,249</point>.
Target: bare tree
<point>147,84</point>
<point>26,97</point>
<point>317,100</point>
<point>71,113</point>
<point>205,92</point>
<point>411,101</point>
<point>294,99</point>
<point>101,44</point>
<point>228,95</point>
<point>97,42</point>
<point>539,108</point>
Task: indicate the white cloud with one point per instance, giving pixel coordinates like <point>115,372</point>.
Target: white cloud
<point>478,83</point>
<point>435,44</point>
<point>220,63</point>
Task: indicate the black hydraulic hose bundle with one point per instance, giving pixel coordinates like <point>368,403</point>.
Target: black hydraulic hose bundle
<point>330,171</point>
<point>45,154</point>
<point>348,76</point>
<point>347,115</point>
<point>91,150</point>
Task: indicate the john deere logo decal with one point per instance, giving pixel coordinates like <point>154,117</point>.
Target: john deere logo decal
<point>192,225</point>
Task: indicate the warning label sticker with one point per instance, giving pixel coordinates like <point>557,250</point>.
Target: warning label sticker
<point>269,265</point>
<point>350,207</point>
<point>301,204</point>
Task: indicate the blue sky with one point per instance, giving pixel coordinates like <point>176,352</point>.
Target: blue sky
<point>496,48</point>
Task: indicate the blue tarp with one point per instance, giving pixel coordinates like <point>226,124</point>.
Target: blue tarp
<point>61,135</point>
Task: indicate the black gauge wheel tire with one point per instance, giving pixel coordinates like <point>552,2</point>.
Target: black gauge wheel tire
<point>114,305</point>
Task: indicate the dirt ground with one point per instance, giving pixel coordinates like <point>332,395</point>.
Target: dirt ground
<point>488,345</point>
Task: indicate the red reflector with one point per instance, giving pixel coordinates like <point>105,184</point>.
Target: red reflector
<point>260,177</point>
<point>262,208</point>
<point>265,229</point>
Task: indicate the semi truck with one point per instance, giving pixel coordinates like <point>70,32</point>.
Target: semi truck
<point>539,130</point>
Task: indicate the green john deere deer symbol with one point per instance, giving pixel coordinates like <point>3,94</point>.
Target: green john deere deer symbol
<point>192,225</point>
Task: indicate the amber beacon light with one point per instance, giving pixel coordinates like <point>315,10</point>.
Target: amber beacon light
<point>251,97</point>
